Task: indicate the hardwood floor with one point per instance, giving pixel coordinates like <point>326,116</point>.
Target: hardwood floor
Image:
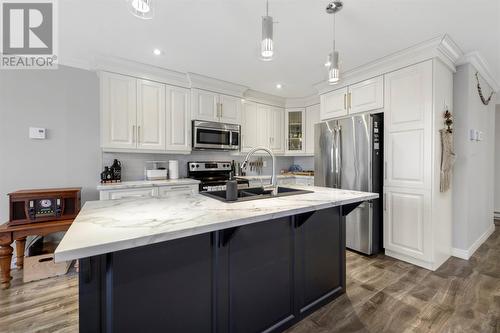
<point>383,295</point>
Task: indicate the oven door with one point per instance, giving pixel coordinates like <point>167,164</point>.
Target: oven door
<point>208,135</point>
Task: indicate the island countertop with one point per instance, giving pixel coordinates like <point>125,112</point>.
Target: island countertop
<point>114,225</point>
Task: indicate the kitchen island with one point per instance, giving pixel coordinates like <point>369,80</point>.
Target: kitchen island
<point>196,264</point>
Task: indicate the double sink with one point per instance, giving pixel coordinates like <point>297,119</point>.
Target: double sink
<point>255,193</point>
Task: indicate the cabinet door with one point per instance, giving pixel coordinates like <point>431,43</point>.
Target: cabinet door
<point>367,95</point>
<point>320,257</point>
<point>178,119</point>
<point>407,222</point>
<point>230,109</point>
<point>334,104</point>
<point>150,115</point>
<point>260,270</point>
<point>249,127</point>
<point>118,111</point>
<point>312,118</point>
<point>205,105</point>
<point>407,127</point>
<point>276,127</point>
<point>295,124</point>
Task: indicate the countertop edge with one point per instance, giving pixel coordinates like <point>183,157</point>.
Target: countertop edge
<point>158,238</point>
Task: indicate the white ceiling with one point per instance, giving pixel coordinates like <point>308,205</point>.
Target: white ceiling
<point>220,38</point>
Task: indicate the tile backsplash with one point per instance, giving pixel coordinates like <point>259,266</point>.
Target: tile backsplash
<point>133,163</point>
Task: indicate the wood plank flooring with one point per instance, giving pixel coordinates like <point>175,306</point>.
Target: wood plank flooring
<point>383,295</point>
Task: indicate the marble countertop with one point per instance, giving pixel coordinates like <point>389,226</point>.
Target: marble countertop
<point>280,176</point>
<point>114,225</point>
<point>147,183</point>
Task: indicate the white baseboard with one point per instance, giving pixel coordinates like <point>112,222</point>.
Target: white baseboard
<point>466,254</point>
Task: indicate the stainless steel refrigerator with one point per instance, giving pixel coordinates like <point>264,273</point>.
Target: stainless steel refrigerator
<point>348,154</point>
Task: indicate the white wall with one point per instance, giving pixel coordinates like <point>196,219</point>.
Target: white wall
<point>66,102</point>
<point>473,178</point>
<point>497,160</point>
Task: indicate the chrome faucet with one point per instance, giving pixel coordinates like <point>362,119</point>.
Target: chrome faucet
<point>274,182</point>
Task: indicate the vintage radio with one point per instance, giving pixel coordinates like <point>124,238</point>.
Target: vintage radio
<point>27,206</point>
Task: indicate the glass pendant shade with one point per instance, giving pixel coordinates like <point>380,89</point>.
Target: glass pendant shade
<point>141,8</point>
<point>333,69</point>
<point>267,47</point>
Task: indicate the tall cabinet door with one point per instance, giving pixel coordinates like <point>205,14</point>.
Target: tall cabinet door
<point>178,119</point>
<point>407,127</point>
<point>276,128</point>
<point>312,118</point>
<point>118,111</point>
<point>150,115</point>
<point>205,105</point>
<point>407,218</point>
<point>295,125</point>
<point>249,127</point>
<point>230,109</point>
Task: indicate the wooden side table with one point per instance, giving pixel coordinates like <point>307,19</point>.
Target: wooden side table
<point>18,233</point>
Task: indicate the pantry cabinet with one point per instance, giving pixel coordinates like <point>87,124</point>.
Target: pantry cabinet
<point>211,106</point>
<point>417,216</point>
<point>143,116</point>
<point>365,96</point>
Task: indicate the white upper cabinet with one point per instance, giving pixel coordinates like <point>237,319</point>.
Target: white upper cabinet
<point>366,96</point>
<point>312,118</point>
<point>250,127</point>
<point>334,104</point>
<point>408,122</point>
<point>295,131</point>
<point>118,111</point>
<point>211,106</point>
<point>276,126</point>
<point>229,109</point>
<point>178,119</point>
<point>205,105</point>
<point>150,115</point>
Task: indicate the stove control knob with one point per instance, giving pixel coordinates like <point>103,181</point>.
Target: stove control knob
<point>197,165</point>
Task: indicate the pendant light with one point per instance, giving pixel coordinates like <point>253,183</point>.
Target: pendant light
<point>141,8</point>
<point>333,58</point>
<point>267,43</point>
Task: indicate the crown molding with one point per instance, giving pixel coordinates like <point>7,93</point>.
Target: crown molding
<point>481,65</point>
<point>263,98</point>
<point>211,84</point>
<point>140,70</point>
<point>442,48</point>
<point>302,102</point>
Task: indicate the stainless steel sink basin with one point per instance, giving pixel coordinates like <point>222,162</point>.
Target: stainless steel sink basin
<point>255,193</point>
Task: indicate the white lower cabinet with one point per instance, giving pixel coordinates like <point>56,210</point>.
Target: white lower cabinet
<point>407,218</point>
<point>176,191</point>
<point>305,181</point>
<point>143,192</point>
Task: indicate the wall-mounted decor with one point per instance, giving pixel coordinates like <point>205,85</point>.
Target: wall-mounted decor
<point>480,91</point>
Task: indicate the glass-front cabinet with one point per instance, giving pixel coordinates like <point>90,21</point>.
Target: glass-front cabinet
<point>295,123</point>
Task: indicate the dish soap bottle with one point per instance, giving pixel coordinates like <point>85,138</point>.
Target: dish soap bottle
<point>231,188</point>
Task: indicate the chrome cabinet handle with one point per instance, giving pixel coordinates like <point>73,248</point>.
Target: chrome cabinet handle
<point>385,170</point>
<point>138,134</point>
<point>133,133</point>
<point>385,201</point>
<point>345,101</point>
<point>349,100</point>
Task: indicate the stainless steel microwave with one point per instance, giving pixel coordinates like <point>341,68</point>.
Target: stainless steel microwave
<point>213,135</point>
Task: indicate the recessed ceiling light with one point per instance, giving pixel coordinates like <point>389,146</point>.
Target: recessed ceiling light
<point>279,86</point>
<point>157,52</point>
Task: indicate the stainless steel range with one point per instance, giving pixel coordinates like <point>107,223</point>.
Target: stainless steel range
<point>213,175</point>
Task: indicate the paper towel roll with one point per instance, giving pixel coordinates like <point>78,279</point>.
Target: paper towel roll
<point>173,169</point>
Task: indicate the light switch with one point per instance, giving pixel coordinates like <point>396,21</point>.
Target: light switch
<point>479,136</point>
<point>37,133</point>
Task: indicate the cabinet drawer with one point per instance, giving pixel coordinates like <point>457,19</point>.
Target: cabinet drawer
<point>143,192</point>
<point>304,181</point>
<point>177,190</point>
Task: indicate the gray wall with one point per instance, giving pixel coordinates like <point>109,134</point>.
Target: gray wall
<point>66,102</point>
<point>497,160</point>
<point>473,175</point>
